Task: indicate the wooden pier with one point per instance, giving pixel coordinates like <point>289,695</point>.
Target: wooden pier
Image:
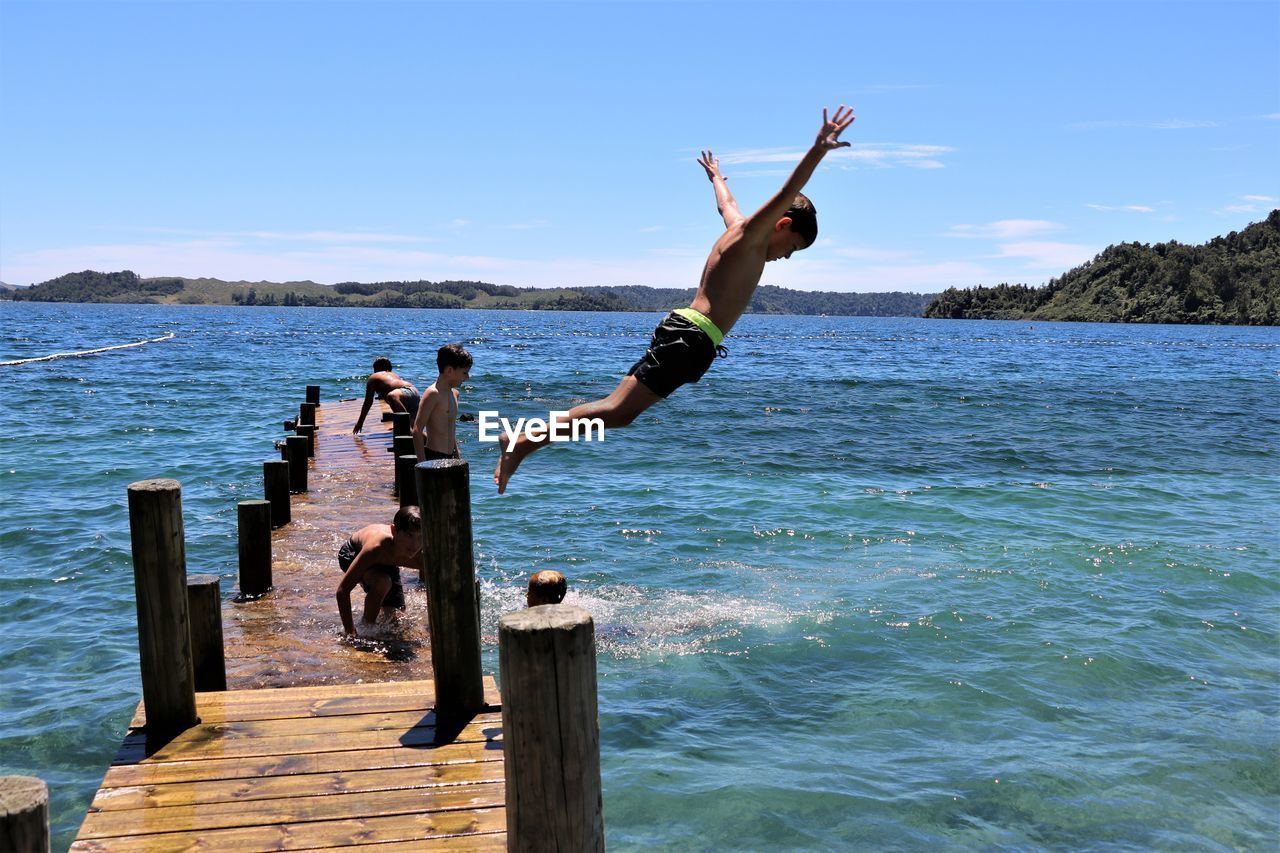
<point>302,768</point>
<point>289,760</point>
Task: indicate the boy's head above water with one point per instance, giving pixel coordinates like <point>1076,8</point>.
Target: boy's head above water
<point>796,230</point>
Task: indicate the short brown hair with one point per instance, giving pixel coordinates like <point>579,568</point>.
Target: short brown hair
<point>408,519</point>
<point>804,218</point>
<point>453,355</point>
<point>546,587</point>
<point>381,363</point>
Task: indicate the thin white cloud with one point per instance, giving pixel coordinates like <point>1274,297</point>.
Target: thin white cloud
<point>1271,116</point>
<point>1004,229</point>
<point>879,154</point>
<point>1133,208</point>
<point>327,236</point>
<point>1249,204</point>
<point>1048,255</point>
<point>868,254</point>
<point>1158,124</point>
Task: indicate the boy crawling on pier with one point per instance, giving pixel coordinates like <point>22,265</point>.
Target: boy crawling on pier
<point>686,343</point>
<point>372,557</point>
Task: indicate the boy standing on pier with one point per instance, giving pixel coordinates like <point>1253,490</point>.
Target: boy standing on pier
<point>435,428</point>
<point>686,343</point>
<point>372,557</point>
<point>399,393</point>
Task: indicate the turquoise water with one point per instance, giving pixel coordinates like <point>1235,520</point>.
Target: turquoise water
<point>874,583</point>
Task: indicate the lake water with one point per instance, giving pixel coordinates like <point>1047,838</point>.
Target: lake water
<point>873,583</point>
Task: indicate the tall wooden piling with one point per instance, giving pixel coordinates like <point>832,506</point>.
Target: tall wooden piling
<point>254,526</point>
<point>402,445</point>
<point>208,658</point>
<point>275,488</point>
<point>160,585</point>
<point>313,394</point>
<point>24,814</point>
<point>551,729</point>
<point>309,433</point>
<point>297,446</point>
<point>406,480</point>
<point>307,414</point>
<point>401,423</point>
<point>444,495</point>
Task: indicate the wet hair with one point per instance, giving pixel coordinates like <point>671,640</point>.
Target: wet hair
<point>804,218</point>
<point>408,519</point>
<point>381,363</point>
<point>453,355</point>
<point>546,587</point>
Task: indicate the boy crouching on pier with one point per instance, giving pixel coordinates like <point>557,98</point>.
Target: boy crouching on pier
<point>686,343</point>
<point>372,557</point>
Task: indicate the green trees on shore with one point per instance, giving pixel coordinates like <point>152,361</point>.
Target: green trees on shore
<point>1232,280</point>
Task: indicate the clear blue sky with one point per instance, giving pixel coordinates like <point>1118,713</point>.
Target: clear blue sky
<point>554,143</point>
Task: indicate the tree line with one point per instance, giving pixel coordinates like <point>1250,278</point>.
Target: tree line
<point>1233,279</point>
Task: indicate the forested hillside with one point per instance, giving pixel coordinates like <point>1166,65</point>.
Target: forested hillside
<point>126,286</point>
<point>1231,280</point>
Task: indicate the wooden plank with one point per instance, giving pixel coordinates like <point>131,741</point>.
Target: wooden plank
<point>487,843</point>
<point>210,816</point>
<point>163,773</point>
<point>415,828</point>
<point>207,742</point>
<point>344,781</point>
<point>317,701</point>
<point>233,730</point>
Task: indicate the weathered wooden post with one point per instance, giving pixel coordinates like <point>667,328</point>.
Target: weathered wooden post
<point>297,447</point>
<point>254,527</point>
<point>24,814</point>
<point>309,433</point>
<point>402,445</point>
<point>313,394</point>
<point>275,488</point>
<point>444,495</point>
<point>551,729</point>
<point>401,423</point>
<point>406,481</point>
<point>160,585</point>
<point>307,414</point>
<point>204,600</point>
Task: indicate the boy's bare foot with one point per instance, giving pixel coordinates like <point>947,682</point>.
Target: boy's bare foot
<point>507,464</point>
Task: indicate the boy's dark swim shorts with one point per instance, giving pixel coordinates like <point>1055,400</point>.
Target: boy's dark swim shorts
<point>680,352</point>
<point>395,595</point>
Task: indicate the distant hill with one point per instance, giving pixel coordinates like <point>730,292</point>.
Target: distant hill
<point>1231,280</point>
<point>126,286</point>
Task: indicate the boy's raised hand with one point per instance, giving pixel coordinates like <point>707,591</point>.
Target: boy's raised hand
<point>712,165</point>
<point>829,136</point>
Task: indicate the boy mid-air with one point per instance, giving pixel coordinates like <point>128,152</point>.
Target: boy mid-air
<point>688,340</point>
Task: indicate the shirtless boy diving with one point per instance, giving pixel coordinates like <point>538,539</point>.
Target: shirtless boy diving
<point>686,343</point>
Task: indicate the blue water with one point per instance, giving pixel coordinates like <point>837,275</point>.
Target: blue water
<point>874,583</point>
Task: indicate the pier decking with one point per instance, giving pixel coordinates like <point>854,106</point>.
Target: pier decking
<point>307,768</point>
<point>289,636</point>
<point>315,764</point>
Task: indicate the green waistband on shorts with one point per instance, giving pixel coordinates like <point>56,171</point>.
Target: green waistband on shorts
<point>702,322</point>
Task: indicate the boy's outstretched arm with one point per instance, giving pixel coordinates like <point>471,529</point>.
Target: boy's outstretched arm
<point>364,409</point>
<point>724,199</point>
<point>828,139</point>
